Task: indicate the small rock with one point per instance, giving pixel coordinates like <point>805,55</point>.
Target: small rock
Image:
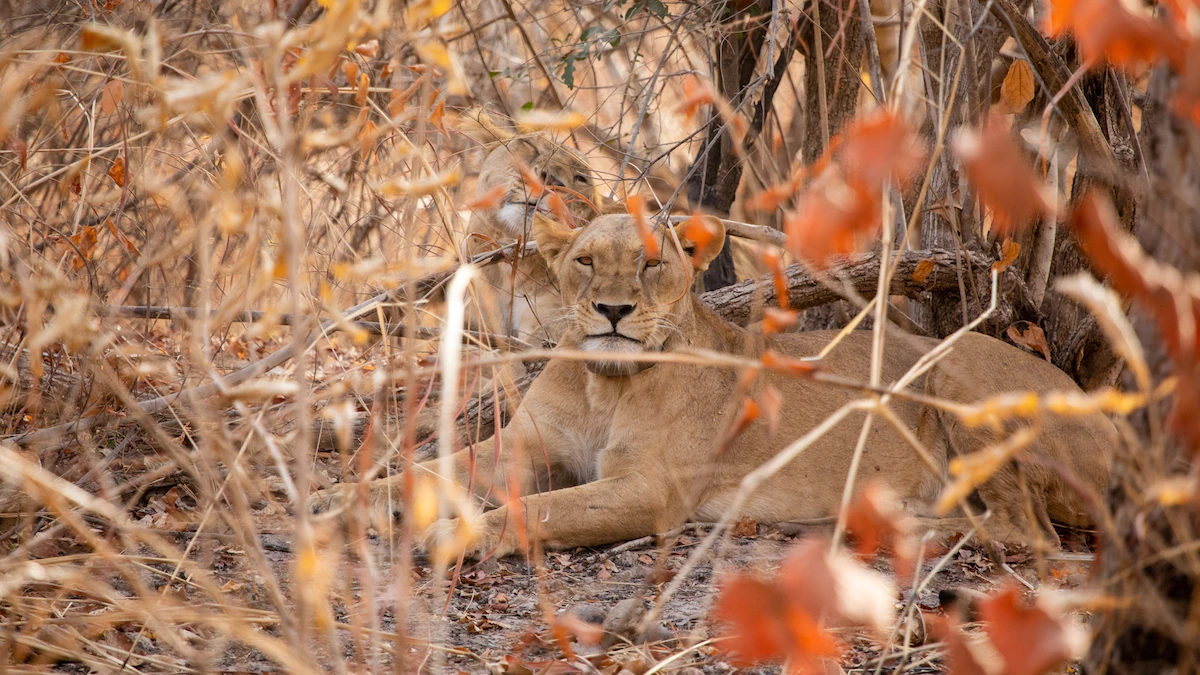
<point>588,613</point>
<point>622,622</point>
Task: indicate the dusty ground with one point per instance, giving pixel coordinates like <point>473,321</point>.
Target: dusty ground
<point>498,617</point>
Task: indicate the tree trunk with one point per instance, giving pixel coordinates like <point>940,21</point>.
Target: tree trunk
<point>834,51</point>
<point>949,94</point>
<point>717,170</point>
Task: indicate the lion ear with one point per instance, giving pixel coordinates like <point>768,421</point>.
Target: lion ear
<point>551,237</point>
<point>480,126</point>
<point>702,237</point>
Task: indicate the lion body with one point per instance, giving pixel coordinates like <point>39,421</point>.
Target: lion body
<point>604,449</point>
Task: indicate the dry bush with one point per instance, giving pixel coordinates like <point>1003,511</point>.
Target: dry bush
<point>229,229</point>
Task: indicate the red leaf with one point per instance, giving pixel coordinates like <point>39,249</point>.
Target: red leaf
<point>1002,175</point>
<point>875,522</point>
<point>696,94</point>
<point>772,360</point>
<point>774,263</point>
<point>636,205</point>
<point>778,320</point>
<point>1108,30</point>
<point>533,183</point>
<point>698,231</point>
<point>879,148</point>
<point>959,658</point>
<point>1030,640</point>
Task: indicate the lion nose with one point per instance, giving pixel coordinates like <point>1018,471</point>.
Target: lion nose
<point>550,180</point>
<point>614,313</point>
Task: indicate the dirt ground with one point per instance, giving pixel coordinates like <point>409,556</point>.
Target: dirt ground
<point>501,613</point>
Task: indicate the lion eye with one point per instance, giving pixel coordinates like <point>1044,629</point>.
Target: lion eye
<point>579,178</point>
<point>653,262</point>
<point>584,260</point>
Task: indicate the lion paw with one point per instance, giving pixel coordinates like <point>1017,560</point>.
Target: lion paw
<point>328,502</point>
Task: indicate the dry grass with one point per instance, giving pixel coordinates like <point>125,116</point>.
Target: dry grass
<point>276,179</point>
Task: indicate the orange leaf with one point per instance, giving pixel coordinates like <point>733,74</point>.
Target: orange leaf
<point>368,49</point>
<point>559,208</point>
<point>1002,175</point>
<point>488,200</point>
<point>924,269</point>
<point>745,527</point>
<point>696,94</point>
<point>774,263</point>
<point>772,197</point>
<point>120,236</point>
<point>85,246</point>
<point>772,360</point>
<point>875,522</point>
<point>699,232</point>
<point>831,222</point>
<point>61,57</point>
<point>366,135</point>
<point>351,70</point>
<point>879,148</point>
<point>636,205</point>
<point>753,610</point>
<point>112,94</point>
<point>778,320</point>
<point>1032,337</point>
<point>746,416</point>
<point>364,83</point>
<point>1028,638</point>
<point>1009,251</point>
<point>533,184</point>
<point>1109,30</point>
<point>1017,90</point>
<point>117,171</point>
<point>960,660</point>
<point>1168,295</point>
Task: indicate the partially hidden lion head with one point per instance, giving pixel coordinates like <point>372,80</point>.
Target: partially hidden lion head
<point>560,169</point>
<point>620,299</point>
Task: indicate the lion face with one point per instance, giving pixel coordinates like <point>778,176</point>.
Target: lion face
<point>621,300</point>
<point>558,168</point>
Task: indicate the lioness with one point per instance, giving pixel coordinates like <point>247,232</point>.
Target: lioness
<point>606,450</point>
<point>526,301</point>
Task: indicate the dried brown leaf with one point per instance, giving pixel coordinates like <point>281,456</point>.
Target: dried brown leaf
<point>1030,336</point>
<point>924,269</point>
<point>1018,88</point>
